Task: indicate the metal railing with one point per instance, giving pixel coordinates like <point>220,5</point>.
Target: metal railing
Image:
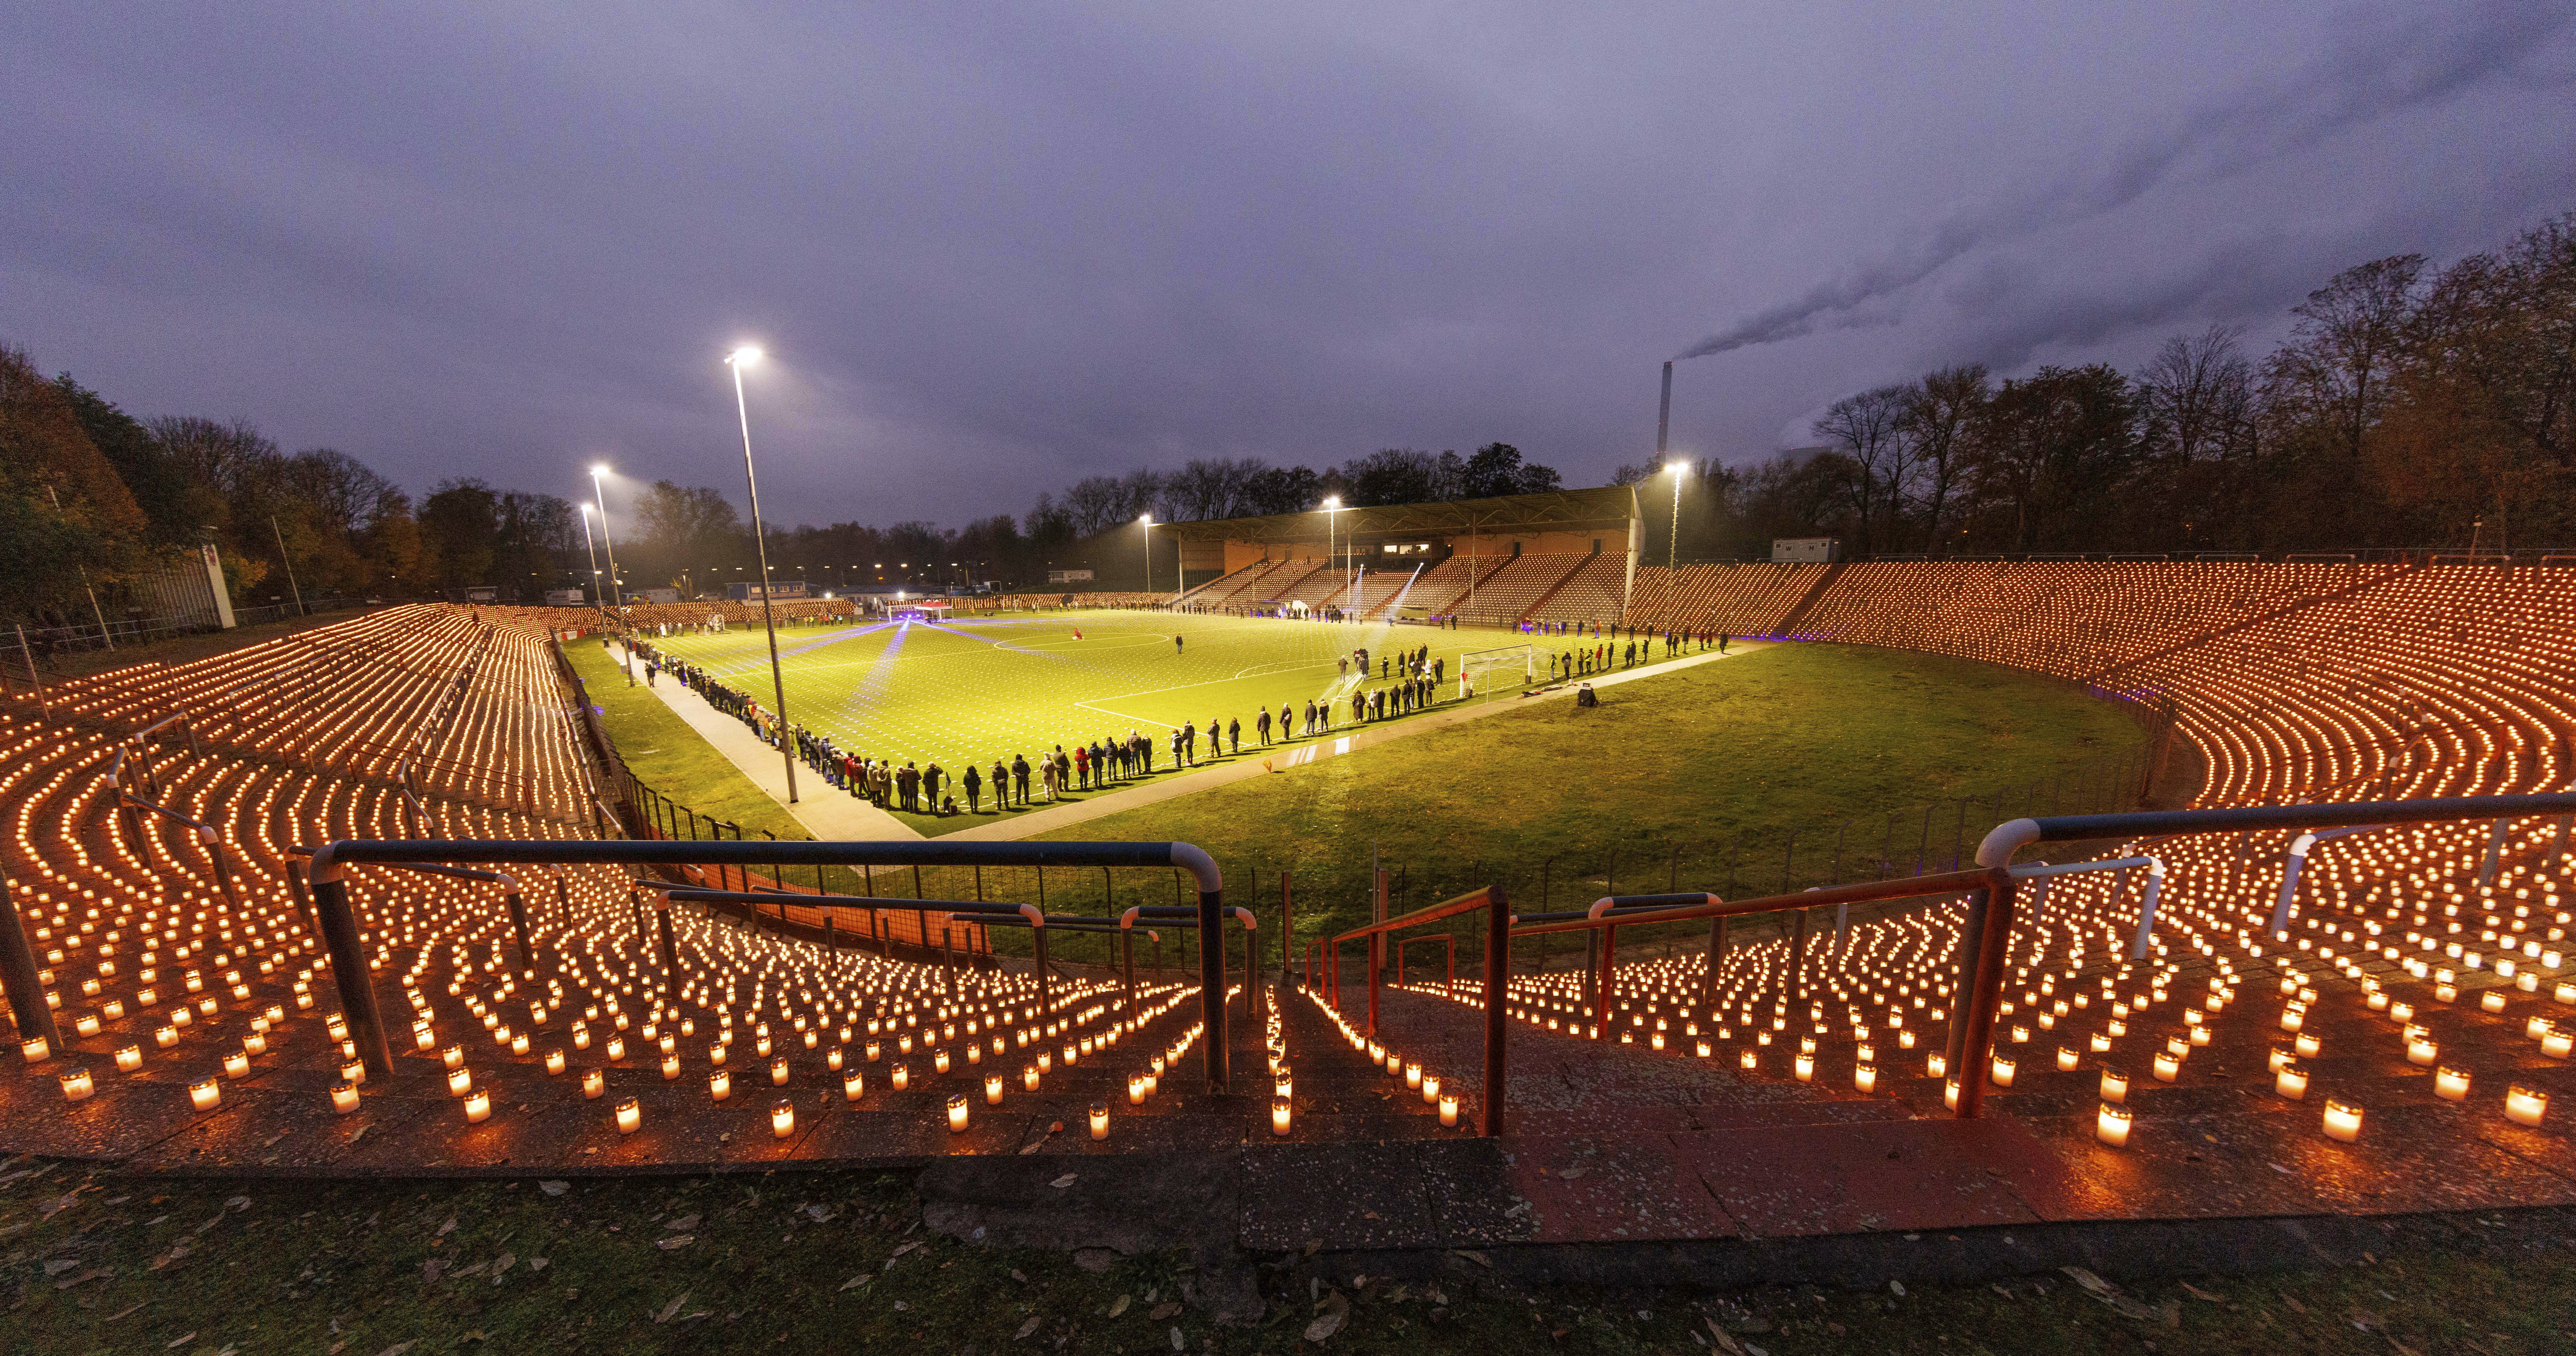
<point>345,940</point>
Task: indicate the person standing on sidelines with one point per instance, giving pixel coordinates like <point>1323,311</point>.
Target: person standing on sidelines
<point>1261,727</point>
<point>974,782</point>
<point>1020,777</point>
<point>1234,735</point>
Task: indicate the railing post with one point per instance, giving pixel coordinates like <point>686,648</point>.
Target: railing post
<point>1212,986</point>
<point>18,972</point>
<point>2147,913</point>
<point>670,951</point>
<point>1498,974</point>
<point>1038,946</point>
<point>2495,852</point>
<point>519,927</point>
<point>1601,982</point>
<point>1985,992</point>
<point>1716,952</point>
<point>349,972</point>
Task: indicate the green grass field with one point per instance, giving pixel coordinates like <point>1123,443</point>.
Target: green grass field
<point>1781,766</point>
<point>983,688</point>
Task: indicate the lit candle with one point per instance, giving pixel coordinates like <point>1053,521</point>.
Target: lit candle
<point>87,1024</point>
<point>1935,1066</point>
<point>1747,1059</point>
<point>1449,1109</point>
<point>1029,1078</point>
<point>478,1106</point>
<point>720,1085</point>
<point>956,1110</point>
<point>1279,1116</point>
<point>344,1098</point>
<point>1099,1116</point>
<point>2111,1126</point>
<point>2343,1121</point>
<point>2115,1086</point>
<point>1413,1075</point>
<point>834,1060</point>
<point>2168,1068</point>
<point>1865,1077</point>
<point>939,1061</point>
<point>35,1050</point>
<point>519,1044</point>
<point>1806,1068</point>
<point>203,1094</point>
<point>1430,1089</point>
<point>778,1071</point>
<point>2067,1059</point>
<point>2493,999</point>
<point>129,1058</point>
<point>616,1049</point>
<point>2003,1072</point>
<point>900,1076</point>
<point>854,1085</point>
<point>2100,1042</point>
<point>459,1082</point>
<point>77,1086</point>
<point>992,1089</point>
<point>782,1118</point>
<point>593,1083</point>
<point>670,1068</point>
<point>629,1116</point>
<point>1950,1094</point>
<point>2451,1084</point>
<point>2308,1045</point>
<point>555,1061</point>
<point>1136,1089</point>
<point>2422,1050</point>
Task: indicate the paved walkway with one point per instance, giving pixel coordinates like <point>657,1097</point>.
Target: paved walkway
<point>829,813</point>
<point>832,815</point>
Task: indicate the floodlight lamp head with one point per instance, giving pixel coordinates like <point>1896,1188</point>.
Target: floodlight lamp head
<point>746,356</point>
<point>1146,518</point>
<point>1332,501</point>
<point>1673,467</point>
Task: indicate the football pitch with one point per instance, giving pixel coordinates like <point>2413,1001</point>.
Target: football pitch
<point>990,687</point>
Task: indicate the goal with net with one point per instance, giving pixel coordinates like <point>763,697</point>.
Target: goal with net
<point>1504,666</point>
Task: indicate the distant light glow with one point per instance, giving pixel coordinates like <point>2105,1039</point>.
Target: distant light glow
<point>746,356</point>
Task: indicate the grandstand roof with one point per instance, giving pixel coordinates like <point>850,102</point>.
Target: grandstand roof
<point>1556,508</point>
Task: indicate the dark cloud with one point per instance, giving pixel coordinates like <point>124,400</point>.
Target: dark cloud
<point>993,248</point>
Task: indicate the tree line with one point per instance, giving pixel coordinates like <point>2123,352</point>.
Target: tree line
<point>2406,407</point>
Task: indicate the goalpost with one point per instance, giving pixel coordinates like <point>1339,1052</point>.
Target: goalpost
<point>1479,670</point>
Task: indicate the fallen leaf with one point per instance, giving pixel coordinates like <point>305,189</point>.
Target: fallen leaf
<point>1028,1327</point>
<point>554,1188</point>
<point>1335,1311</point>
<point>1178,1342</point>
<point>2197,1293</point>
<point>2090,1281</point>
<point>1062,1182</point>
<point>683,1224</point>
<point>854,1282</point>
<point>2295,1306</point>
<point>448,1228</point>
<point>1168,1309</point>
<point>907,1247</point>
<point>1723,1340</point>
<point>1573,1172</point>
<point>675,1241</point>
<point>671,1308</point>
<point>180,1341</point>
<point>1897,1288</point>
<point>398,1348</point>
<point>1119,1305</point>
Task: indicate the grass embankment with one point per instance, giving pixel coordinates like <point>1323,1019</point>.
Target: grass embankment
<point>837,1262</point>
<point>1724,760</point>
<point>666,755</point>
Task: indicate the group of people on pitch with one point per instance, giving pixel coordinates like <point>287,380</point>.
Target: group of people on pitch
<point>1640,649</point>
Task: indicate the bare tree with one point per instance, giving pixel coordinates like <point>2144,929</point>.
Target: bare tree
<point>2335,371</point>
<point>1939,412</point>
<point>1864,428</point>
<point>2197,390</point>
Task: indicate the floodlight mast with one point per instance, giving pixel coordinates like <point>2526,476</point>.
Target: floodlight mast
<point>593,551</point>
<point>600,497</point>
<point>739,359</point>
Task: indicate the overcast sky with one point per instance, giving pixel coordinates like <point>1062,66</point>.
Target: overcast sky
<point>992,248</point>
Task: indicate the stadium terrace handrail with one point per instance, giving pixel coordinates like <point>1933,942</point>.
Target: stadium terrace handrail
<point>2295,861</point>
<point>2013,835</point>
<point>1371,932</point>
<point>1983,948</point>
<point>2044,872</point>
<point>1863,892</point>
<point>330,864</point>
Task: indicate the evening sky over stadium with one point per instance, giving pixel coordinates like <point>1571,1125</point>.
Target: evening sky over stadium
<point>991,248</point>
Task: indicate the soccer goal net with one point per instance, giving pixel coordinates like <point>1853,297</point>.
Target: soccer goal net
<point>1506,666</point>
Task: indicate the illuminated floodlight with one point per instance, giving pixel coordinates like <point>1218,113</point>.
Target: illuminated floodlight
<point>746,356</point>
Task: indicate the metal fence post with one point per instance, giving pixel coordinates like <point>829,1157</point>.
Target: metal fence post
<point>1498,956</point>
<point>1212,986</point>
<point>519,926</point>
<point>349,973</point>
<point>18,972</point>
